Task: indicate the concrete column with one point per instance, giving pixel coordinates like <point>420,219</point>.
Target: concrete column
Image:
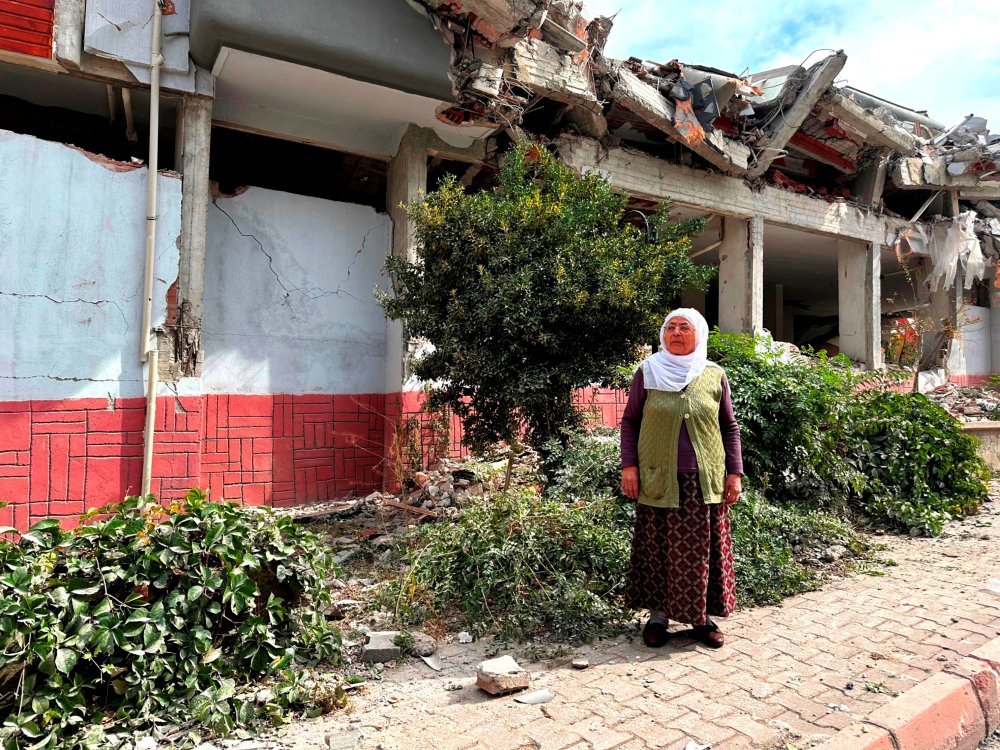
<point>407,180</point>
<point>194,135</point>
<point>741,275</point>
<point>859,290</point>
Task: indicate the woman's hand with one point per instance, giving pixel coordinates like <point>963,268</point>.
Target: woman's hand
<point>732,489</point>
<point>630,482</point>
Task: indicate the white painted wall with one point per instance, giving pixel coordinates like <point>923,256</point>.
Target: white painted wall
<point>971,351</point>
<point>294,313</point>
<point>72,250</point>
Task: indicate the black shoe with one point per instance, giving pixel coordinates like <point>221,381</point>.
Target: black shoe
<point>654,634</point>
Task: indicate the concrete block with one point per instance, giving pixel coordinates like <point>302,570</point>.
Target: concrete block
<point>941,713</point>
<point>859,736</point>
<point>990,653</point>
<point>502,675</point>
<point>381,647</point>
<point>985,679</point>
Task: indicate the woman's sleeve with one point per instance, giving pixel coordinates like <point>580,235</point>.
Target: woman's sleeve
<point>631,419</point>
<point>730,431</point>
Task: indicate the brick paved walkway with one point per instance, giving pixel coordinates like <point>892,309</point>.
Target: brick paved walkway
<point>792,674</point>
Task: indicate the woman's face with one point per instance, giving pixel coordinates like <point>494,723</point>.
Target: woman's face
<point>679,336</point>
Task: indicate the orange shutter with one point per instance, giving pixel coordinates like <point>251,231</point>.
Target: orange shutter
<point>26,26</point>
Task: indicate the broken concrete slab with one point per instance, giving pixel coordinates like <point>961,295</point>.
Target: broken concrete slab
<point>502,675</point>
<point>817,81</point>
<point>876,131</point>
<point>381,647</point>
<point>639,97</point>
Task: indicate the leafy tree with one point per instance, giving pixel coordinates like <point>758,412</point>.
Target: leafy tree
<point>531,290</point>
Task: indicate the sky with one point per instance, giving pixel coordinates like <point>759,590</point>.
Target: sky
<point>942,56</point>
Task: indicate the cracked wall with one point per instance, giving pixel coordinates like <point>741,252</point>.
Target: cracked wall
<point>72,254</point>
<point>288,295</point>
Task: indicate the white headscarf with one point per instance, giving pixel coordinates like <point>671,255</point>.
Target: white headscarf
<point>664,371</point>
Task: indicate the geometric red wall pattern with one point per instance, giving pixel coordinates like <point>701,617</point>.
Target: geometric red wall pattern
<point>61,458</point>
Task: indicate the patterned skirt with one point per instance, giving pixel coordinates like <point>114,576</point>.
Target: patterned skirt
<point>682,559</point>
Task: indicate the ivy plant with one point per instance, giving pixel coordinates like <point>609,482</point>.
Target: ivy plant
<point>148,615</point>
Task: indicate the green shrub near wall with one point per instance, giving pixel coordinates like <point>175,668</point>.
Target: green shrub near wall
<point>147,616</point>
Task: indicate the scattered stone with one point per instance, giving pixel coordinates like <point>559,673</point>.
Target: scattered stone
<point>343,740</point>
<point>343,556</point>
<point>580,664</point>
<point>536,698</point>
<point>264,695</point>
<point>833,553</point>
<point>341,608</point>
<point>381,647</point>
<point>452,686</point>
<point>420,478</point>
<point>423,644</point>
<point>502,675</point>
<point>465,637</point>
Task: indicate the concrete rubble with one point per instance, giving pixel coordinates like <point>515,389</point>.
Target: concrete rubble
<point>502,675</point>
<point>538,66</point>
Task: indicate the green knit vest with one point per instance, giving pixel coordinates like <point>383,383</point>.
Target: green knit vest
<point>662,417</point>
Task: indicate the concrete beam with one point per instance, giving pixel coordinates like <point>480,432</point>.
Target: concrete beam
<point>434,145</point>
<point>870,182</point>
<point>859,291</point>
<point>989,211</point>
<point>784,127</point>
<point>877,132</point>
<point>645,176</point>
<point>741,275</point>
<point>914,173</point>
<point>639,97</point>
<point>985,191</point>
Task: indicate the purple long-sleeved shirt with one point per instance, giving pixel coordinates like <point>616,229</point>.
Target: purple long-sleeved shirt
<point>687,461</point>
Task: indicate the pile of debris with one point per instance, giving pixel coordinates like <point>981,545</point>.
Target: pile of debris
<point>446,485</point>
<point>968,404</point>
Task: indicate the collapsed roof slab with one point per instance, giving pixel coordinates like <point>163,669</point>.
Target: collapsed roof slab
<point>645,176</point>
<point>639,97</point>
<point>876,131</point>
<point>548,72</point>
<point>784,127</point>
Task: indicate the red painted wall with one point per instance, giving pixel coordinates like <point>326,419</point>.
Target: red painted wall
<point>61,458</point>
<point>26,26</point>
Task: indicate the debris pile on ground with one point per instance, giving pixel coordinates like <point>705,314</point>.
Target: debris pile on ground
<point>445,485</point>
<point>966,403</point>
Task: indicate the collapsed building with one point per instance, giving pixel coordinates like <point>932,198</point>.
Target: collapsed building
<point>228,338</point>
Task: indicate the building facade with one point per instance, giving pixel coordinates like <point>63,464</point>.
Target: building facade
<point>236,325</point>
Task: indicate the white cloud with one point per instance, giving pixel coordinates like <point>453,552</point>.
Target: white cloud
<point>934,55</point>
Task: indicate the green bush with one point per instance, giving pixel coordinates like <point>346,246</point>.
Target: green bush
<point>522,566</point>
<point>584,464</point>
<point>789,415</point>
<point>532,290</point>
<point>813,435</point>
<point>764,534</point>
<point>147,616</point>
<point>922,470</point>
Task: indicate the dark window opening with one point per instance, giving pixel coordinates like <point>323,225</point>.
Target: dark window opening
<point>245,159</point>
<point>98,134</point>
<point>475,177</point>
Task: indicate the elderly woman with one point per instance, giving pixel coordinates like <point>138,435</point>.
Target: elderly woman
<point>681,460</point>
